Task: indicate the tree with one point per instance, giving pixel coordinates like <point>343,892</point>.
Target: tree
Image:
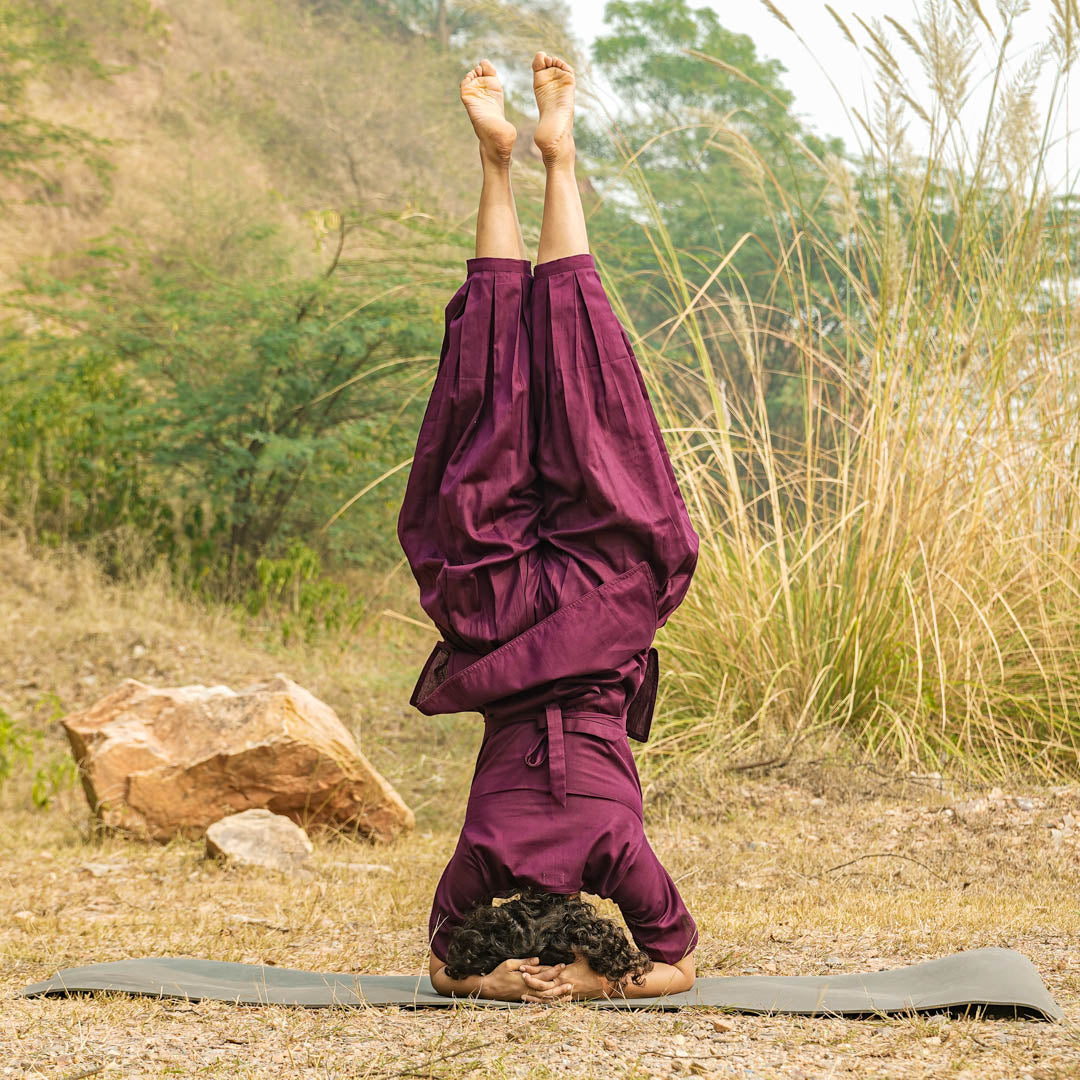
<point>214,414</point>
<point>724,157</point>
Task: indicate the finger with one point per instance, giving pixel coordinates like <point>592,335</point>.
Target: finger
<point>534,982</point>
<point>543,971</point>
<point>516,965</point>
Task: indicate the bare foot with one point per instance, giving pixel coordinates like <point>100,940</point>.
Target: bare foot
<point>553,84</point>
<point>482,95</point>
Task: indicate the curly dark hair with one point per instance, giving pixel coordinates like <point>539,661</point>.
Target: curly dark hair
<point>557,928</point>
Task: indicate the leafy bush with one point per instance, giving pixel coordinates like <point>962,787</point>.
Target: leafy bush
<point>18,745</point>
<point>213,414</point>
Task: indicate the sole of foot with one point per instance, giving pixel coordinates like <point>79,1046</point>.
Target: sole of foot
<point>482,96</point>
<point>553,85</point>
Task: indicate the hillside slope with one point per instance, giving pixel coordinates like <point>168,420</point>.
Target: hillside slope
<point>228,112</point>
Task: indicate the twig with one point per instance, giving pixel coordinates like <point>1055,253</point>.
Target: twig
<point>411,1070</point>
<point>780,759</point>
<point>86,1072</point>
<point>887,855</point>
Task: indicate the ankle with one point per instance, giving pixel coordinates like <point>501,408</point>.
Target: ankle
<point>496,160</point>
<point>561,156</point>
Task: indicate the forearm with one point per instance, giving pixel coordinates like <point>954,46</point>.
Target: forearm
<point>502,984</point>
<point>663,979</point>
<point>470,986</point>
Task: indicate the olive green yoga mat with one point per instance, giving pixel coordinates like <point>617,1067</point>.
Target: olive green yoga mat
<point>997,982</point>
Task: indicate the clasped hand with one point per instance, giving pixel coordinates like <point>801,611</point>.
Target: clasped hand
<point>529,980</point>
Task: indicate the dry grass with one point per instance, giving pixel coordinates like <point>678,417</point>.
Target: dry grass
<point>68,637</point>
<point>755,866</point>
<point>994,878</point>
<point>899,563</point>
<point>209,138</point>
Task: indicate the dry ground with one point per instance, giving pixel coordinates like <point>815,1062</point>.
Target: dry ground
<point>802,871</point>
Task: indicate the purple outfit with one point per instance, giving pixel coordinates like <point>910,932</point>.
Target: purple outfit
<point>545,528</point>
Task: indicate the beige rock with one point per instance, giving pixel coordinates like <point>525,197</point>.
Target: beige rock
<point>163,762</point>
<point>259,838</point>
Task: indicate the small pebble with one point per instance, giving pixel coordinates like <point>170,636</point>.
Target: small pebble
<point>723,1025</point>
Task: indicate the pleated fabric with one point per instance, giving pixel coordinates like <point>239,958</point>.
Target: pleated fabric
<point>608,491</point>
<point>542,519</point>
<point>468,522</point>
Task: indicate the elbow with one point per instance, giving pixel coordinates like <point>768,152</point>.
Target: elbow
<point>437,975</point>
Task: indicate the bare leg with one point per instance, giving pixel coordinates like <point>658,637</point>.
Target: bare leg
<point>498,231</point>
<point>562,231</point>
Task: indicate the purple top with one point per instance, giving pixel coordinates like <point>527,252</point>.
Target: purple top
<point>513,839</point>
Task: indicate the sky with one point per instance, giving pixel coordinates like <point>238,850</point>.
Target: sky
<point>824,54</point>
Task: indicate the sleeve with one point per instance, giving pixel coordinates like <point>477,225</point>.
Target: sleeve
<point>610,496</point>
<point>653,909</point>
<point>461,888</point>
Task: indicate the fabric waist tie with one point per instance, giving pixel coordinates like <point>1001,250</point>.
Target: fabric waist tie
<point>550,745</point>
<point>552,735</point>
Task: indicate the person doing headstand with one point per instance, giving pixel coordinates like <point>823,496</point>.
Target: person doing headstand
<point>546,531</point>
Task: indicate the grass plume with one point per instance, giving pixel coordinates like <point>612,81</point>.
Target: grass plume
<point>906,577</point>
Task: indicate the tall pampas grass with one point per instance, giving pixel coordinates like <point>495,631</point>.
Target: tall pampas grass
<point>905,582</point>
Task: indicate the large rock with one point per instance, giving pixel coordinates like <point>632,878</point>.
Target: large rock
<point>171,761</point>
<point>259,838</point>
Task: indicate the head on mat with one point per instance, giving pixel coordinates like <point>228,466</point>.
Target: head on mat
<point>557,929</point>
<point>543,524</point>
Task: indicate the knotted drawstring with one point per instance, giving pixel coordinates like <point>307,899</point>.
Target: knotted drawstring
<point>551,745</point>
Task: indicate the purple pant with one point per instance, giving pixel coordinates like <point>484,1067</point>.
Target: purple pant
<point>542,519</point>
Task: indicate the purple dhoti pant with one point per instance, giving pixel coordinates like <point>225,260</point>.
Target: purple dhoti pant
<point>545,528</point>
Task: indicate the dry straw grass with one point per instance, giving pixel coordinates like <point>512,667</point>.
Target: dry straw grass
<point>906,578</point>
<point>874,875</point>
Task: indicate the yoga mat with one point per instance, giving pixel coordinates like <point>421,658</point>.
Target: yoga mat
<point>991,982</point>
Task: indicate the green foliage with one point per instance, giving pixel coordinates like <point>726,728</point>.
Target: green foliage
<point>73,453</point>
<point>213,413</point>
<point>718,153</point>
<point>15,746</point>
<point>302,599</point>
<point>643,55</point>
<point>18,745</point>
<point>36,42</point>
